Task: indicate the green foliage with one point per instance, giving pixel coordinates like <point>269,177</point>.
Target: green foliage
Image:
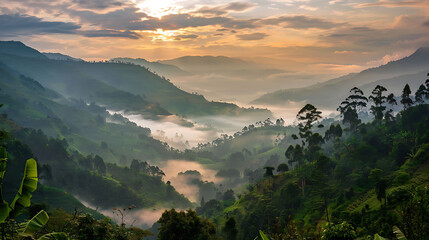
<point>283,167</point>
<point>23,196</point>
<point>342,231</point>
<point>406,100</point>
<point>185,225</point>
<point>230,229</point>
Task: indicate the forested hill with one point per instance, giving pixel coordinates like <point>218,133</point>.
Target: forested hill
<point>369,181</point>
<point>90,129</point>
<point>115,85</point>
<point>328,94</point>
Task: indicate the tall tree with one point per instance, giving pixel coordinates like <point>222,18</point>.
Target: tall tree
<point>406,100</point>
<point>230,229</point>
<point>378,100</point>
<point>421,94</point>
<point>351,106</point>
<point>389,113</point>
<point>307,116</point>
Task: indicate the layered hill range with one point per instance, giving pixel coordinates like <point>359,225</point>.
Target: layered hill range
<point>394,75</point>
<point>118,86</point>
<point>217,77</point>
<point>73,99</point>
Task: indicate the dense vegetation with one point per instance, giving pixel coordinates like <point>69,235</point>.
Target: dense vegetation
<point>364,173</point>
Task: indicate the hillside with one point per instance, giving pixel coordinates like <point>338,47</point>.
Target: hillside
<point>85,126</point>
<point>161,69</point>
<point>59,56</point>
<point>370,178</point>
<point>393,75</point>
<point>116,85</point>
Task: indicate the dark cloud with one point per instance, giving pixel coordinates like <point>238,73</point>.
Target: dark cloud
<point>179,21</point>
<point>426,24</point>
<point>252,36</point>
<point>110,33</point>
<point>225,9</point>
<point>239,6</point>
<point>185,36</point>
<point>17,24</point>
<point>299,22</point>
<point>98,4</point>
<point>121,19</point>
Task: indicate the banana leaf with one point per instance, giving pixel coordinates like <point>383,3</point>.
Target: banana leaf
<point>4,206</point>
<point>55,236</point>
<point>263,236</point>
<point>34,224</point>
<point>398,233</point>
<point>28,185</point>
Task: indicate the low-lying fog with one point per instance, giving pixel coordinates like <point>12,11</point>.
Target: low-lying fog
<point>148,216</point>
<point>206,129</point>
<point>171,169</point>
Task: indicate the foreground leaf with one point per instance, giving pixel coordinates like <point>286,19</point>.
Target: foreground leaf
<point>54,236</point>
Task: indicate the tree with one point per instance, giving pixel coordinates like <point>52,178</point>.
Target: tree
<point>380,190</point>
<point>351,106</point>
<point>99,165</point>
<point>389,113</point>
<point>230,229</point>
<point>295,154</point>
<point>421,94</point>
<point>378,100</point>
<point>229,195</point>
<point>406,100</point>
<point>269,171</point>
<point>343,231</point>
<point>185,225</point>
<point>334,131</point>
<point>307,116</point>
<point>283,167</point>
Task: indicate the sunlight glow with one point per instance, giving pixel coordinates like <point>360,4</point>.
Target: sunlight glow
<point>164,35</point>
<point>158,8</point>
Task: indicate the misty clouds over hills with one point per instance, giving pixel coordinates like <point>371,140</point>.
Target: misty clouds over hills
<point>393,76</point>
<point>116,85</point>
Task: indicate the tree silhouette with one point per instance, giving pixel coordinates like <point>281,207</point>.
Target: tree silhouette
<point>406,100</point>
<point>230,229</point>
<point>269,171</point>
<point>283,167</point>
<point>350,107</point>
<point>389,113</point>
<point>421,94</point>
<point>295,154</point>
<point>307,116</point>
<point>378,99</point>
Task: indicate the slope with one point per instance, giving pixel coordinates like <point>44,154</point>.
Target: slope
<point>116,85</point>
<point>326,93</point>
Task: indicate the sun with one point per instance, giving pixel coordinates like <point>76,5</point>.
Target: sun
<point>158,8</point>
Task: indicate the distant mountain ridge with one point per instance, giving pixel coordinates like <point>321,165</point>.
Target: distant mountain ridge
<point>156,67</point>
<point>19,49</point>
<point>411,70</point>
<point>59,56</point>
<point>115,85</point>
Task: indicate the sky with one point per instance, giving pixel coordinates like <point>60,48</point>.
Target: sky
<point>336,36</point>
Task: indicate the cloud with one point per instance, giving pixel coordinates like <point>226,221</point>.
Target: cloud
<point>252,36</point>
<point>225,9</point>
<point>239,6</point>
<point>110,33</point>
<point>19,25</point>
<point>185,36</point>
<point>391,4</point>
<point>98,4</point>
<point>308,8</point>
<point>426,24</point>
<point>299,22</point>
